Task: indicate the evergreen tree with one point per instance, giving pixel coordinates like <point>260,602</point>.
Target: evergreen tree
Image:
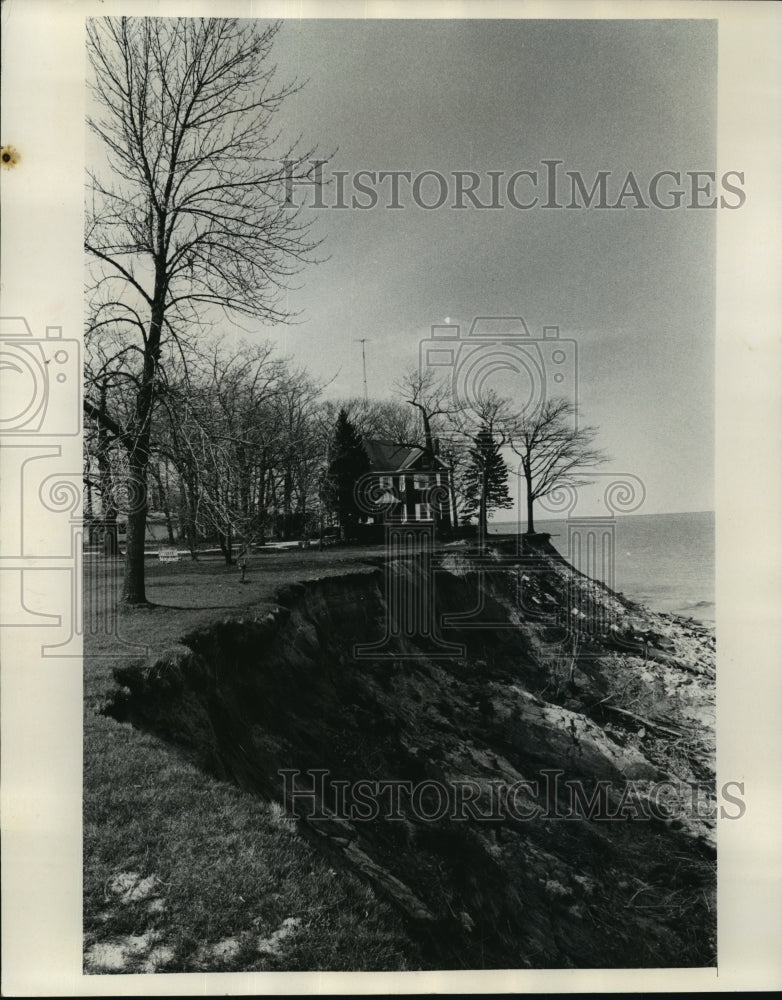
<point>485,483</point>
<point>348,462</point>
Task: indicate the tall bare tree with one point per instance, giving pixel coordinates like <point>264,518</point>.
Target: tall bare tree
<point>553,449</point>
<point>186,215</point>
<point>430,396</point>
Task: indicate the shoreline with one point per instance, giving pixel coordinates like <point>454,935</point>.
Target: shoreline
<point>663,561</point>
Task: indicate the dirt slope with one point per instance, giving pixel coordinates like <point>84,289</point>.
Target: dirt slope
<point>542,797</point>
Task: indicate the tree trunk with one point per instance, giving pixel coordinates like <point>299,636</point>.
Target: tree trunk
<point>88,501</point>
<point>226,545</point>
<point>189,529</point>
<point>428,437</point>
<point>483,514</point>
<point>107,497</point>
<point>530,521</point>
<point>261,502</point>
<point>189,510</point>
<point>133,589</point>
<point>163,496</point>
<point>167,507</point>
<point>110,542</point>
<point>454,512</point>
<point>287,509</point>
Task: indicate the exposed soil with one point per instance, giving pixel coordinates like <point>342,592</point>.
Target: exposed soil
<point>556,674</point>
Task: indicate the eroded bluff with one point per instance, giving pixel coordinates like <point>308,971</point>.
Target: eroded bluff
<point>524,767</point>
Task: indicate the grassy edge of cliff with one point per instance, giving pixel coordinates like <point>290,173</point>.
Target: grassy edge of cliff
<point>183,872</point>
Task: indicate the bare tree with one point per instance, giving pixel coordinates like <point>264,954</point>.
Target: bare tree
<point>381,419</point>
<point>110,381</point>
<point>430,396</point>
<point>238,430</point>
<point>185,210</point>
<point>301,456</point>
<point>554,451</point>
<point>456,458</point>
<point>100,471</point>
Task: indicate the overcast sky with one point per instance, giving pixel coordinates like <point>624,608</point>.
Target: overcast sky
<point>634,288</point>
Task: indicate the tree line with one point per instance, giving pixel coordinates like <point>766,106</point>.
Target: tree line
<point>244,446</point>
<point>187,230</point>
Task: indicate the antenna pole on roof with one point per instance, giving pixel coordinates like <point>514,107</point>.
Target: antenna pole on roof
<point>363,341</point>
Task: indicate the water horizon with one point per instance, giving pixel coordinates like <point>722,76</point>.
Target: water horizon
<point>664,561</point>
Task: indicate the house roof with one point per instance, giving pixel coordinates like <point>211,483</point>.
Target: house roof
<point>387,456</point>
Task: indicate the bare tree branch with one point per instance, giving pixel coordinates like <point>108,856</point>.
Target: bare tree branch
<point>186,214</point>
<point>553,449</point>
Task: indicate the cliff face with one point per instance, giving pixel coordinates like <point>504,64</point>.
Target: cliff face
<point>542,797</point>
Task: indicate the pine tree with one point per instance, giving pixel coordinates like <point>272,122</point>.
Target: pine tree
<point>485,483</point>
<point>348,462</point>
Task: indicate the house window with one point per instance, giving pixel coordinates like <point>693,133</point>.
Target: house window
<point>422,482</point>
<point>423,512</point>
<point>386,482</point>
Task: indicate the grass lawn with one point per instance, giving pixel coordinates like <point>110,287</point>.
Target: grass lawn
<point>186,873</point>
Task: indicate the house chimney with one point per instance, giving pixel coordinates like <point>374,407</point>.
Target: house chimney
<point>436,445</point>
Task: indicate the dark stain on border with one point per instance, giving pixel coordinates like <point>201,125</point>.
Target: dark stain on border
<point>9,157</point>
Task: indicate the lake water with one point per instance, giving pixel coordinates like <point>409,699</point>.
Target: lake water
<point>665,561</point>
